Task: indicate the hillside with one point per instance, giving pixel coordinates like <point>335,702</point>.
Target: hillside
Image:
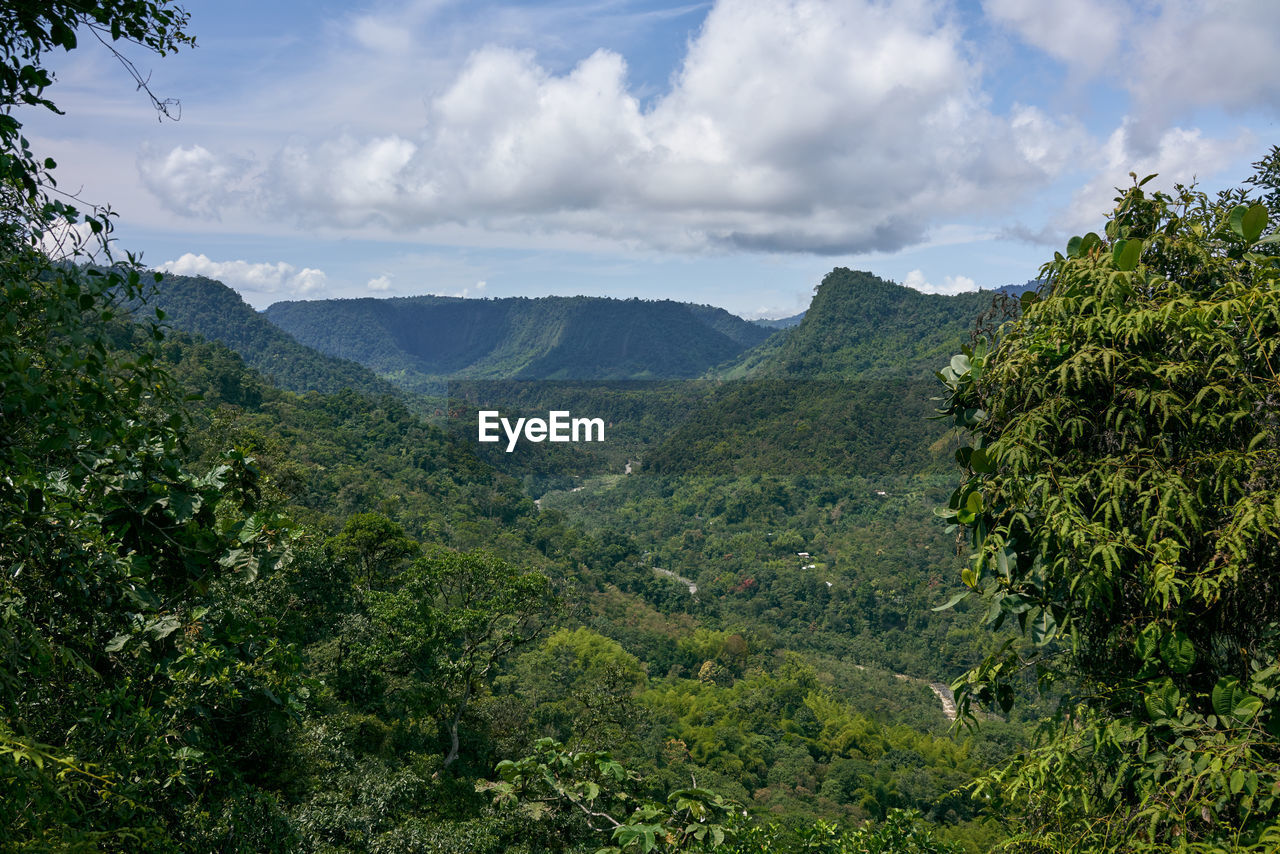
<point>848,389</point>
<point>859,324</point>
<point>214,311</point>
<point>414,339</point>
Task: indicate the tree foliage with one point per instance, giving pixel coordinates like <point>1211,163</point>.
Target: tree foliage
<point>1122,503</point>
<point>138,677</point>
<point>33,208</point>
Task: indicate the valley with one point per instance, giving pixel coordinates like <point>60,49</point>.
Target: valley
<point>911,568</point>
<point>734,529</point>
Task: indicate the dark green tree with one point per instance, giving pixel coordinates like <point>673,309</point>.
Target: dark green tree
<point>450,619</point>
<point>140,687</point>
<point>33,208</point>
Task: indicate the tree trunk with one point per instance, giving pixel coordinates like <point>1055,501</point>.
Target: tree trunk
<point>453,725</point>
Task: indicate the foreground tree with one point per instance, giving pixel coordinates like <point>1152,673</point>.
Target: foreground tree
<point>139,684</point>
<point>588,795</point>
<point>32,207</point>
<point>1122,501</point>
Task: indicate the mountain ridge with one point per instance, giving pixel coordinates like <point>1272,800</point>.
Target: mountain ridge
<point>208,308</point>
<point>414,339</point>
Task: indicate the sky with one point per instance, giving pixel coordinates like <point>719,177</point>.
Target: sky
<point>728,153</point>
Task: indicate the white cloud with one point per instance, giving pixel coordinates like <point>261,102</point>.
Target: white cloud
<point>827,126</point>
<point>193,181</point>
<point>1195,53</point>
<point>253,280</point>
<point>950,284</point>
<point>1173,56</point>
<point>1179,156</point>
<point>1085,34</point>
<point>381,283</point>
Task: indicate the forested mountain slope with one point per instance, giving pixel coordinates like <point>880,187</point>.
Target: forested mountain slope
<point>847,390</point>
<point>861,325</point>
<point>209,308</point>
<point>412,338</point>
<point>636,664</point>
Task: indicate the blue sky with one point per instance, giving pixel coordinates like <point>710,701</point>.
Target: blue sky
<point>727,152</point>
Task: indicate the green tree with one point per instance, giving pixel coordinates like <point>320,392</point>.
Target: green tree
<point>582,687</point>
<point>1122,501</point>
<point>138,678</point>
<point>371,545</point>
<point>450,618</point>
<point>588,793</point>
<point>33,208</point>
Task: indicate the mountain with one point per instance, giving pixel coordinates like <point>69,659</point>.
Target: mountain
<point>212,310</point>
<point>781,322</point>
<point>416,339</point>
<point>861,325</point>
<point>848,389</point>
<point>1019,290</point>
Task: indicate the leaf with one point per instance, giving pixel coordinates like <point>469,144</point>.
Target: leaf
<point>1162,701</point>
<point>1226,695</point>
<point>1126,254</point>
<point>163,627</point>
<point>1148,642</point>
<point>1247,708</point>
<point>1043,628</point>
<point>60,34</point>
<point>953,601</point>
<point>1004,697</point>
<point>243,562</point>
<point>1253,222</point>
<point>1073,247</point>
<point>960,364</point>
<point>980,462</point>
<point>1235,220</point>
<point>183,505</point>
<point>1178,652</point>
<point>117,643</point>
<point>974,502</point>
<point>1006,560</point>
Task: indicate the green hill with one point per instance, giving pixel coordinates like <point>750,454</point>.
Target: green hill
<point>413,340</point>
<point>861,325</point>
<point>214,311</point>
<point>848,389</point>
